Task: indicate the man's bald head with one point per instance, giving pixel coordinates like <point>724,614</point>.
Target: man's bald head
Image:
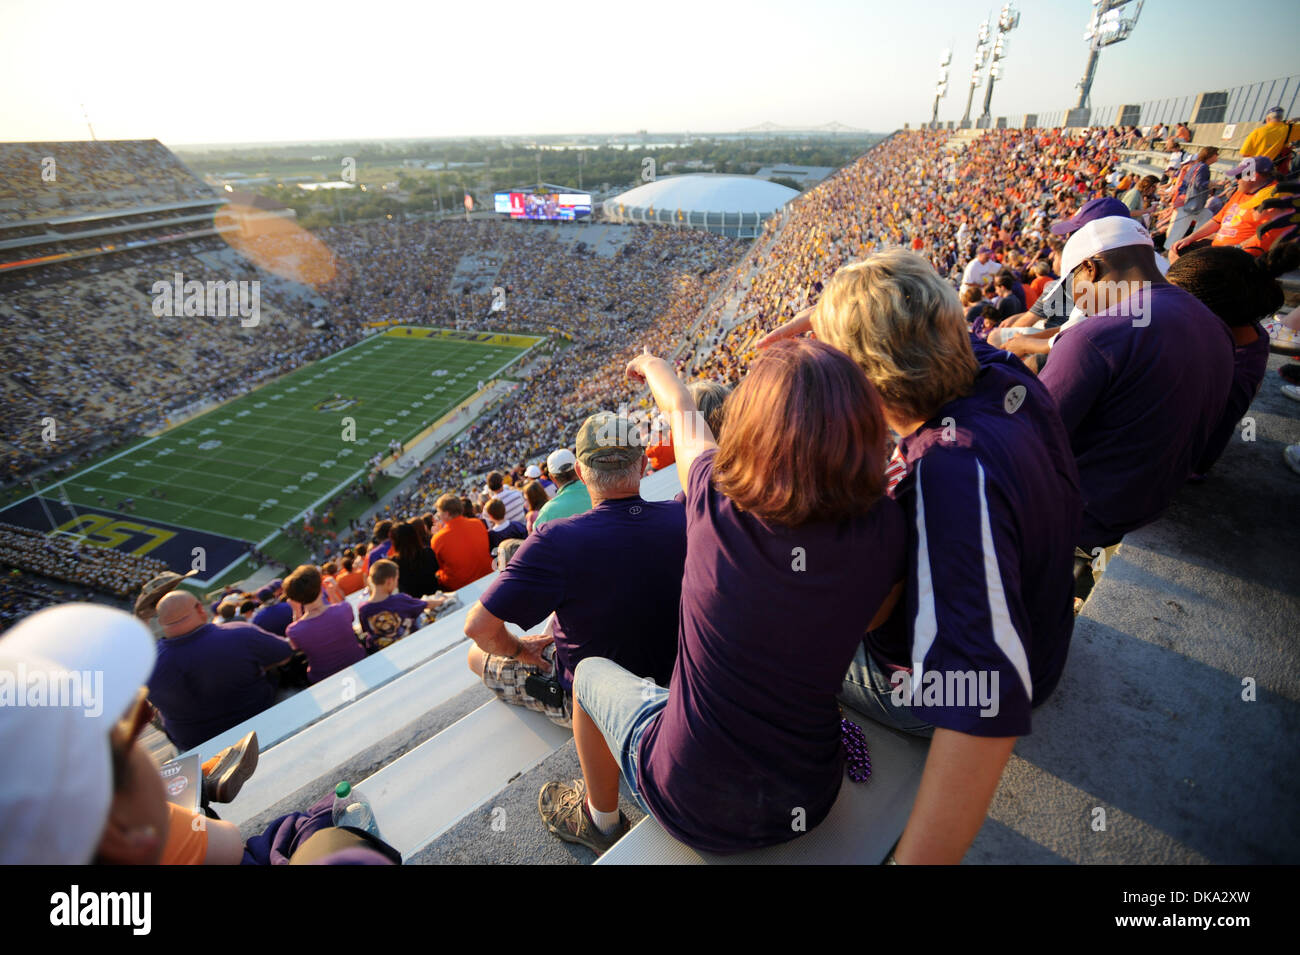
<point>179,612</point>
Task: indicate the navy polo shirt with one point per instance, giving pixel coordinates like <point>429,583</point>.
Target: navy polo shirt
<point>212,678</point>
<point>613,577</point>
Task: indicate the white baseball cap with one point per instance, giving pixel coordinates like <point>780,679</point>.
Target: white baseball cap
<point>56,779</point>
<point>533,471</point>
<point>1102,235</point>
<point>560,459</point>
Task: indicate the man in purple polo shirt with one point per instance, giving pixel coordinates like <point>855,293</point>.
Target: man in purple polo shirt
<point>1140,384</point>
<point>584,568</point>
<point>210,677</point>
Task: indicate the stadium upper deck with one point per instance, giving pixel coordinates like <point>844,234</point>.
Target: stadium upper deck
<point>41,181</point>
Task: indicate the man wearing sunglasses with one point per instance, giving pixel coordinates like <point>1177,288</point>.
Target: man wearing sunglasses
<point>75,784</point>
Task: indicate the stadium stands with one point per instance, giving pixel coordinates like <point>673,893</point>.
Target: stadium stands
<point>1190,607</point>
<point>39,180</point>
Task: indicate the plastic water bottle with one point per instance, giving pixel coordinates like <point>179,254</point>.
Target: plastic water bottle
<point>352,809</point>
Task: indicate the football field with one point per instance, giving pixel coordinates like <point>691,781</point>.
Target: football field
<point>237,474</point>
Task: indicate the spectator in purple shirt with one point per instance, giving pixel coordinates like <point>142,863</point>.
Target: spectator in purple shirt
<point>1240,289</point>
<point>792,552</point>
<point>209,677</point>
<point>1141,384</point>
<point>584,567</point>
<point>390,614</point>
<point>992,507</point>
<point>275,615</point>
<point>323,631</point>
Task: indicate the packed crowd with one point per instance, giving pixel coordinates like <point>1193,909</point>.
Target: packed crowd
<point>1013,478</point>
<point>63,558</point>
<point>384,272</point>
<point>22,594</point>
<point>46,179</point>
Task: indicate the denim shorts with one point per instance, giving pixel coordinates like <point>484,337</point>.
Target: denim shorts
<point>867,690</point>
<point>622,705</point>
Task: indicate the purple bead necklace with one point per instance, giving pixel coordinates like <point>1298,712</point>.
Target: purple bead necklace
<point>858,757</point>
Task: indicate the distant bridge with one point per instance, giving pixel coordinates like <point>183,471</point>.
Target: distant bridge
<point>824,128</point>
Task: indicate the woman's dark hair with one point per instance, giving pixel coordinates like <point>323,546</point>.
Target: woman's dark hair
<point>535,495</point>
<point>1233,284</point>
<point>406,541</point>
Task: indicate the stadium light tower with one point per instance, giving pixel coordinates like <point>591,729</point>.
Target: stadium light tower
<point>1008,20</point>
<point>941,87</point>
<point>1107,26</point>
<point>981,57</point>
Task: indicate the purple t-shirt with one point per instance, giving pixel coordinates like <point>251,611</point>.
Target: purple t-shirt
<point>771,618</point>
<point>390,619</point>
<point>1250,364</point>
<point>613,576</point>
<point>992,504</point>
<point>274,618</point>
<point>328,640</point>
<point>1139,403</point>
<point>212,678</point>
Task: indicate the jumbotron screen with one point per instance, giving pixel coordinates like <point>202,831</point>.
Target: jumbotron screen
<point>564,206</point>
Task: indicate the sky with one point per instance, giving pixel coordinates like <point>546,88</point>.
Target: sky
<point>194,71</point>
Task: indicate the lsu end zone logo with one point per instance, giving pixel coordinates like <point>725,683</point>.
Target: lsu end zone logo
<point>482,338</point>
<point>337,402</point>
<point>100,531</point>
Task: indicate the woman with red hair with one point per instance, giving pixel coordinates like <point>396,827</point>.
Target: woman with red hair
<point>792,553</point>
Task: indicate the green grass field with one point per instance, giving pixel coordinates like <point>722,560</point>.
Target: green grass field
<point>247,468</point>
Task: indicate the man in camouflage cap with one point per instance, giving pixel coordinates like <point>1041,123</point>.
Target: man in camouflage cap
<point>590,569</point>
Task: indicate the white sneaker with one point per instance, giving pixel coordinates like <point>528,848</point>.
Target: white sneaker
<point>1292,392</point>
<point>1292,454</point>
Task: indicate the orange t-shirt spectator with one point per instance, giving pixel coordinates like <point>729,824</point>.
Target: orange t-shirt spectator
<point>1035,288</point>
<point>350,580</point>
<point>1236,222</point>
<point>1241,216</point>
<point>461,546</point>
<point>661,453</point>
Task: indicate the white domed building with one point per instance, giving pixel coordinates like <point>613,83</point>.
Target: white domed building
<point>735,206</point>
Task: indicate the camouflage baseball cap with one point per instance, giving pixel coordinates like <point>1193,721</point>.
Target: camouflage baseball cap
<point>155,590</point>
<point>608,442</point>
